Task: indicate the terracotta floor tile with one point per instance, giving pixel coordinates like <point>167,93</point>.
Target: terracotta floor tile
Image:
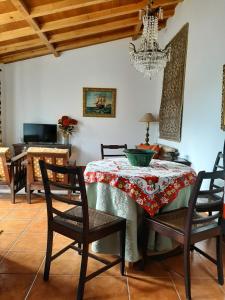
<point>22,213</point>
<point>21,262</point>
<point>7,239</point>
<point>69,264</point>
<point>209,246</point>
<point>61,206</point>
<point>30,242</point>
<point>66,264</point>
<point>57,288</point>
<point>38,225</point>
<point>13,226</point>
<point>207,289</point>
<point>61,287</point>
<point>107,287</point>
<point>60,241</point>
<point>144,288</point>
<point>4,211</point>
<point>94,265</point>
<point>153,268</point>
<point>2,254</point>
<point>14,286</point>
<point>42,214</point>
<point>5,201</point>
<point>175,265</point>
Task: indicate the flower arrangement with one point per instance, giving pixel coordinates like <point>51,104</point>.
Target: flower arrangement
<point>67,125</point>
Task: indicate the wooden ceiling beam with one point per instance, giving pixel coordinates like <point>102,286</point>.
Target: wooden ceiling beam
<point>24,55</point>
<point>20,46</point>
<point>95,40</point>
<point>16,33</point>
<point>93,30</point>
<point>163,3</point>
<point>10,17</point>
<point>93,16</point>
<point>21,7</point>
<point>63,5</point>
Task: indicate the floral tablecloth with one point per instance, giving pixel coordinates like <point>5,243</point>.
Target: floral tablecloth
<point>151,187</point>
<point>113,185</point>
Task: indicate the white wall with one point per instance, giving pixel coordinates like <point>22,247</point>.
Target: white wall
<point>202,137</point>
<point>43,89</point>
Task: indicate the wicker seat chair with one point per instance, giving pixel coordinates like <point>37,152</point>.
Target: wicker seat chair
<point>12,171</point>
<point>187,226</point>
<point>50,155</point>
<point>81,224</point>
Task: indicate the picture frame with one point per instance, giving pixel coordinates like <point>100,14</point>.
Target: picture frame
<point>99,102</point>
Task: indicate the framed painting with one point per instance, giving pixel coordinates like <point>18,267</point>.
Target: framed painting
<point>99,102</point>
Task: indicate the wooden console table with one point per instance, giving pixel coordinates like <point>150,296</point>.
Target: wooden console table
<point>20,147</point>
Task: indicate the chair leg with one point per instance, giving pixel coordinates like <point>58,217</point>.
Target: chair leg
<point>13,201</point>
<point>145,234</point>
<point>28,195</point>
<point>122,249</point>
<point>79,246</point>
<point>187,271</point>
<point>219,259</point>
<point>83,270</point>
<point>48,255</point>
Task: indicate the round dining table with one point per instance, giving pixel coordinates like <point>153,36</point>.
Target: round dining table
<point>116,187</point>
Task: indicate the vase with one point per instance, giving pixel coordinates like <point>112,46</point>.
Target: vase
<point>65,138</point>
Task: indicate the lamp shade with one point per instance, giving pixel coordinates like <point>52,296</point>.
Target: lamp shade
<point>148,117</point>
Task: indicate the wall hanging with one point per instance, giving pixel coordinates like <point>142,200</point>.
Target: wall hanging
<point>170,115</point>
<point>0,106</point>
<point>223,102</point>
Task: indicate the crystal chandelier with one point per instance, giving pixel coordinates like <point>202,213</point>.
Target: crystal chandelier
<point>149,58</point>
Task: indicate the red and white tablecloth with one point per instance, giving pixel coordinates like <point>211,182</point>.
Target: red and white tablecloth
<point>151,187</point>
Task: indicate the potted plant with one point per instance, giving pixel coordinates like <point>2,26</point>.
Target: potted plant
<point>67,127</point>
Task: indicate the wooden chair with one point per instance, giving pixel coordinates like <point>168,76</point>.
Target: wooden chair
<point>80,223</point>
<point>213,184</point>
<point>12,171</point>
<point>188,227</point>
<point>53,156</point>
<point>112,147</point>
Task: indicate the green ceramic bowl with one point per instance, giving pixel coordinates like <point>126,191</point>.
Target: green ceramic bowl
<point>139,157</point>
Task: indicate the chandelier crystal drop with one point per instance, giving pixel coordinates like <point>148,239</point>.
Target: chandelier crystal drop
<point>149,58</point>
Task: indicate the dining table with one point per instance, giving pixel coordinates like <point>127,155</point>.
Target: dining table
<point>115,186</point>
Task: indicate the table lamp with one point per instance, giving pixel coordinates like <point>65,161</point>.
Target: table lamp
<point>147,118</point>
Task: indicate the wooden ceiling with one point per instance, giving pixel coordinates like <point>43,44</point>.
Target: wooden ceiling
<point>34,28</point>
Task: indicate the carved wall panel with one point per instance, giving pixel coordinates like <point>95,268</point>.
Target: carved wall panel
<point>170,115</point>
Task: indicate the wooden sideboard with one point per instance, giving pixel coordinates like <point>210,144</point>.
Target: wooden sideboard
<point>20,147</point>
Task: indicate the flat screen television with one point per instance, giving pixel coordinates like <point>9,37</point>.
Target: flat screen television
<point>39,133</point>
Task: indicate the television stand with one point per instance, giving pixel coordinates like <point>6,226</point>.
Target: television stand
<point>20,147</point>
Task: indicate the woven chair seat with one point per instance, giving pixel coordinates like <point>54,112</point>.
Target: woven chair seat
<point>177,219</point>
<point>97,219</point>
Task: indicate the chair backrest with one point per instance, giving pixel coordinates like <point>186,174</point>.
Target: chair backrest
<point>218,165</point>
<point>76,183</point>
<point>49,155</point>
<point>216,206</point>
<point>112,147</point>
<point>4,169</point>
